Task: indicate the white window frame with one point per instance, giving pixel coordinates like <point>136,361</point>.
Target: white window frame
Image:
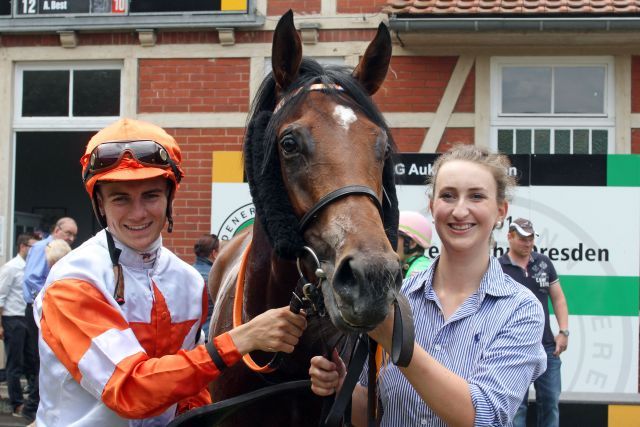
<point>499,120</point>
<point>63,122</point>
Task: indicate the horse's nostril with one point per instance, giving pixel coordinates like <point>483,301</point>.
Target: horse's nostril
<point>347,275</point>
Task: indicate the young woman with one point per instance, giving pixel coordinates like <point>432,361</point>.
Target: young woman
<point>478,331</point>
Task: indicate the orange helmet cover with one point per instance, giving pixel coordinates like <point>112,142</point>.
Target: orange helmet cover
<point>129,169</point>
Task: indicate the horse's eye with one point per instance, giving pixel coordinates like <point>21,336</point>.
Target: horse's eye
<point>289,145</point>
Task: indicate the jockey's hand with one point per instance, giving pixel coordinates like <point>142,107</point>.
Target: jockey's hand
<point>274,330</point>
<point>326,375</point>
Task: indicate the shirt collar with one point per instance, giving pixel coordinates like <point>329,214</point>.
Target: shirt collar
<point>493,282</point>
<point>204,260</point>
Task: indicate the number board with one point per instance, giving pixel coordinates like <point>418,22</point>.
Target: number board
<point>65,7</point>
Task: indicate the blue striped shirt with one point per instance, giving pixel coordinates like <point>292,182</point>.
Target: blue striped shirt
<point>492,340</point>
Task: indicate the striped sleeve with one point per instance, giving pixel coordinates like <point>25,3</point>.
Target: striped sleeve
<point>96,345</point>
<point>508,366</point>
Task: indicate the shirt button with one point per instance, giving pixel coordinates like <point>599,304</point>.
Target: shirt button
<point>437,347</point>
<point>423,421</point>
<point>164,315</point>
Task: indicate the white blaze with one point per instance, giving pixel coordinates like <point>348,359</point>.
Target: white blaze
<point>344,115</point>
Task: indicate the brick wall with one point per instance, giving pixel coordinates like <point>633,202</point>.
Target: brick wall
<point>408,140</point>
<point>454,136</point>
<point>360,6</point>
<point>193,85</point>
<point>467,99</point>
<point>415,83</point>
<point>635,141</point>
<point>278,7</point>
<point>192,206</point>
<point>635,84</point>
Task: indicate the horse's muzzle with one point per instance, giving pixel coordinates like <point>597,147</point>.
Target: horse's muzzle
<point>362,289</point>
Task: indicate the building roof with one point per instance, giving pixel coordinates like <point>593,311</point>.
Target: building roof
<point>564,8</point>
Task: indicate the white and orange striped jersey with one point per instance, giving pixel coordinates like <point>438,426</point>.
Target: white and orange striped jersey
<point>136,364</point>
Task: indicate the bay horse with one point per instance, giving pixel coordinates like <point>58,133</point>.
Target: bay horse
<point>317,156</point>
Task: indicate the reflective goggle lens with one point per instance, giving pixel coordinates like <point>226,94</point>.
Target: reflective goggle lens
<point>109,154</point>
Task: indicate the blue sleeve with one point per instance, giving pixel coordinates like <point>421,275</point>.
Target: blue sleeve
<point>35,272</point>
<point>508,366</point>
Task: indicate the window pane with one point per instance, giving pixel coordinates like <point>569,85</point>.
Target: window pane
<point>45,93</point>
<point>174,6</point>
<point>96,93</point>
<point>562,142</point>
<point>580,141</point>
<point>542,141</point>
<point>579,90</point>
<point>505,141</point>
<point>523,141</point>
<point>526,90</point>
<point>599,141</point>
<point>5,7</point>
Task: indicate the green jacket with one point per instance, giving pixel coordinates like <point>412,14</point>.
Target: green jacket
<point>416,264</point>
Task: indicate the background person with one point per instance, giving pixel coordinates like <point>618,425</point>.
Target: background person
<point>55,250</point>
<point>536,271</point>
<point>35,275</point>
<point>13,329</point>
<point>414,238</point>
<point>478,331</point>
<point>206,250</point>
<point>119,316</point>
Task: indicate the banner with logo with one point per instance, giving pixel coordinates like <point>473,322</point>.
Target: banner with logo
<point>586,210</point>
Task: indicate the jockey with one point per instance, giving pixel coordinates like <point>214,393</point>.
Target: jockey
<point>120,317</point>
<point>414,237</point>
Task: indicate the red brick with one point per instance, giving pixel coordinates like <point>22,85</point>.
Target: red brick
<point>635,84</point>
<point>360,6</point>
<point>279,7</point>
<point>193,85</point>
<point>428,77</point>
<point>467,98</point>
<point>635,141</point>
<point>408,140</point>
<point>192,207</point>
<point>455,136</point>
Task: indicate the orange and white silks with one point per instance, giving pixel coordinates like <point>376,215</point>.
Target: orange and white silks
<point>102,364</point>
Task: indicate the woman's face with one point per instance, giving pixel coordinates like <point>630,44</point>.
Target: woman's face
<point>465,207</point>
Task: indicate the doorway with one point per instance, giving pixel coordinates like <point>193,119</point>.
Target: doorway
<point>48,183</point>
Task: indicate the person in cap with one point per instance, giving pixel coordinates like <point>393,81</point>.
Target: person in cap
<point>536,271</point>
<point>414,237</point>
<point>120,317</point>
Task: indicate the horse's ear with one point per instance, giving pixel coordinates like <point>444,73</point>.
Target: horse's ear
<point>286,52</point>
<point>373,67</point>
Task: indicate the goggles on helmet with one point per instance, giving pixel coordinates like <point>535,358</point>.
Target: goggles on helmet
<point>108,155</point>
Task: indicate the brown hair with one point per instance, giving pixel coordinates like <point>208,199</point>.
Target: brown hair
<point>205,245</point>
<point>497,164</point>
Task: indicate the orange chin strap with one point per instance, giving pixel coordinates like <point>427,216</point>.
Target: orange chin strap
<point>237,312</point>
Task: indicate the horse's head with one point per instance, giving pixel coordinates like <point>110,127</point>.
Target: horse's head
<point>329,136</point>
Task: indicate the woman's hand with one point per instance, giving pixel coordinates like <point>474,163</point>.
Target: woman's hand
<point>326,375</point>
<point>274,330</point>
<point>383,333</point>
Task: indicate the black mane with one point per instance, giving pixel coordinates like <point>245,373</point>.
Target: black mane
<point>262,166</point>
